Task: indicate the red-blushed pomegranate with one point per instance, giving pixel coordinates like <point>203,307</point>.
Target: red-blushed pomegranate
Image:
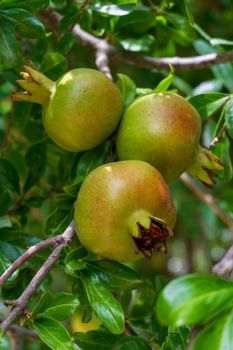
<point>123,210</point>
<point>81,109</point>
<point>164,130</point>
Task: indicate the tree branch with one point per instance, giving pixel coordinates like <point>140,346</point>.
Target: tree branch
<point>50,242</point>
<point>24,332</point>
<point>102,62</point>
<point>225,265</point>
<point>22,301</point>
<point>52,18</point>
<point>208,199</point>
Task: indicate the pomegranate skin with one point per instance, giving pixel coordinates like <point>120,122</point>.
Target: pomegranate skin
<point>113,200</point>
<point>162,129</point>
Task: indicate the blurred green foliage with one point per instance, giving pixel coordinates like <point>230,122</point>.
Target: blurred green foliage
<point>39,181</point>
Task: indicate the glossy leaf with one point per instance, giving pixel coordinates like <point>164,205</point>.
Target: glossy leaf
<point>54,65</point>
<point>79,290</point>
<point>165,83</point>
<point>58,221</point>
<point>74,261</point>
<point>103,304</point>
<point>143,44</point>
<point>131,343</point>
<point>10,50</point>
<point>177,338</point>
<point>139,20</point>
<point>95,340</point>
<point>193,299</point>
<point>9,178</point>
<point>23,22</point>
<point>127,88</point>
<point>32,5</point>
<point>61,307</point>
<point>52,333</point>
<point>117,276</point>
<point>92,159</point>
<point>219,41</point>
<point>229,117</point>
<point>209,103</point>
<point>223,151</point>
<point>217,334</point>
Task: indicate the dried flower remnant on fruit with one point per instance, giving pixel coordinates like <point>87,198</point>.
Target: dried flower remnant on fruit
<point>152,238</point>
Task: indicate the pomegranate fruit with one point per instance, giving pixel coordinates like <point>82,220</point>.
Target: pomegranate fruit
<point>164,130</point>
<point>124,209</point>
<point>81,109</point>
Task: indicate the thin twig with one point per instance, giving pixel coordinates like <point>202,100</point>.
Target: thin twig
<point>225,265</point>
<point>208,199</point>
<point>50,242</point>
<point>52,19</point>
<point>217,138</point>
<point>22,301</point>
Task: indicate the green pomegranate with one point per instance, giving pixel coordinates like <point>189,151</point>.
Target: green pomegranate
<point>81,109</point>
<point>124,209</point>
<point>164,130</point>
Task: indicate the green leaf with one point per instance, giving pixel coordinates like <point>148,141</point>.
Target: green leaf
<point>64,201</point>
<point>88,161</point>
<point>23,22</point>
<point>58,221</point>
<point>131,343</point>
<point>193,299</point>
<point>111,10</point>
<point>209,103</point>
<point>74,261</point>
<point>229,117</point>
<point>52,333</point>
<point>143,44</point>
<point>92,159</point>
<point>127,88</point>
<point>103,304</point>
<point>117,276</point>
<point>223,72</point>
<point>219,41</point>
<point>54,64</point>
<point>185,9</point>
<point>30,5</point>
<point>223,151</point>
<point>217,334</point>
<point>72,190</point>
<point>36,162</point>
<point>166,82</point>
<point>98,340</point>
<point>9,178</point>
<point>5,201</point>
<point>62,306</point>
<point>44,302</point>
<point>139,21</point>
<point>177,338</point>
<point>79,290</point>
<point>10,50</point>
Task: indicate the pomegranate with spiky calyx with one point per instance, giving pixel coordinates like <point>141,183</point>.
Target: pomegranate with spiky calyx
<point>124,209</point>
<point>81,109</point>
<point>164,130</point>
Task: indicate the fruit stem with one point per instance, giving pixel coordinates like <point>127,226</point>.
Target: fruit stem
<point>38,87</point>
<point>205,166</point>
<point>151,234</point>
